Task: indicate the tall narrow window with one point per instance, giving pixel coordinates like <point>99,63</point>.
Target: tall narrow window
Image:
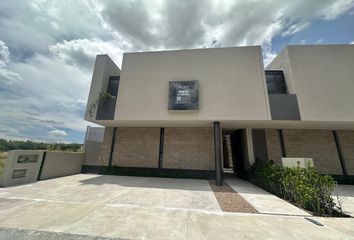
<point>275,82</point>
<point>113,85</point>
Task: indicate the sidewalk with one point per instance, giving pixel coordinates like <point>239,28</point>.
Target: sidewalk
<point>263,201</point>
<point>151,208</point>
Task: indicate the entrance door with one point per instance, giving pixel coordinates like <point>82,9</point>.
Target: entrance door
<point>227,155</point>
<point>238,152</point>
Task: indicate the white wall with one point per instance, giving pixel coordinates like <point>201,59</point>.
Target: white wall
<point>59,164</point>
<point>232,84</point>
<point>322,76</point>
<point>282,62</point>
<point>104,68</point>
<point>13,163</point>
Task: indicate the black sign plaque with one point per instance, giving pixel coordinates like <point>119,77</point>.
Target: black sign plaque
<point>27,158</point>
<point>183,95</point>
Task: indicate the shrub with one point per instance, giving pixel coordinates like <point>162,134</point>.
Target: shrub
<point>304,187</point>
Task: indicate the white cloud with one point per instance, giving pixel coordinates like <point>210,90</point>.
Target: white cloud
<point>58,133</point>
<point>4,54</point>
<point>82,52</point>
<point>186,24</point>
<point>319,41</point>
<point>303,41</point>
<point>295,28</point>
<point>268,56</point>
<point>337,8</point>
<point>6,75</point>
<point>9,77</point>
<point>47,48</point>
<point>52,95</point>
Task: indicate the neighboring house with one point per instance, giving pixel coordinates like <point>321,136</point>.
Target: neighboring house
<point>173,109</point>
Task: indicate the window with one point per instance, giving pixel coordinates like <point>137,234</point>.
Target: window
<point>275,82</point>
<point>113,85</point>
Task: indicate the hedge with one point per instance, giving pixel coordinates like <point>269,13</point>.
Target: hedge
<point>305,187</point>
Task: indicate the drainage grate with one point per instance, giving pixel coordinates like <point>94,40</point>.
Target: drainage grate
<point>314,222</point>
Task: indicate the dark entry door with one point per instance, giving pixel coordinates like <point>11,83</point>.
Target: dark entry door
<point>238,152</point>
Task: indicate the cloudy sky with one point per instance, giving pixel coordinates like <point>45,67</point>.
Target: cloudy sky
<point>47,48</point>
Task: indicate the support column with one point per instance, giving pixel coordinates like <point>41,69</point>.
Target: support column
<point>249,142</point>
<point>340,153</point>
<point>112,147</point>
<point>217,152</point>
<point>281,141</point>
<point>162,135</point>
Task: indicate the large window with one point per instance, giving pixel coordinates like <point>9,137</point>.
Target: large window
<point>113,85</point>
<point>275,82</point>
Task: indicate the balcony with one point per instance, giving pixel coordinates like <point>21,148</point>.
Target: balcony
<point>106,109</point>
<point>284,107</point>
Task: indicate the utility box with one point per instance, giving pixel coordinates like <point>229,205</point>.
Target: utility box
<point>21,166</point>
<point>297,162</point>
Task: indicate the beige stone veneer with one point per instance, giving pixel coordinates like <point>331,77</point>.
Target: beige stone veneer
<point>136,147</point>
<point>316,144</point>
<point>346,141</point>
<point>188,148</point>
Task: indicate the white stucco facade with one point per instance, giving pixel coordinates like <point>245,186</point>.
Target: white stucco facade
<point>322,77</point>
<point>223,76</point>
<point>300,106</point>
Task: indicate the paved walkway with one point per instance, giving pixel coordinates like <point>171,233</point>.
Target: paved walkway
<point>346,194</point>
<point>263,201</point>
<point>144,208</point>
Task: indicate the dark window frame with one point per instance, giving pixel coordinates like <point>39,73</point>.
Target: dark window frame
<point>113,85</point>
<point>276,83</point>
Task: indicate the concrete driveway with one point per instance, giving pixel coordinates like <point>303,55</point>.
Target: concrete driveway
<point>345,194</point>
<point>118,207</point>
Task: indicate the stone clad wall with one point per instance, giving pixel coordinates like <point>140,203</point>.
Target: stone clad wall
<point>316,144</point>
<point>346,141</point>
<point>136,147</point>
<point>184,148</point>
<point>103,158</point>
<point>188,148</point>
<point>92,153</point>
<point>273,146</point>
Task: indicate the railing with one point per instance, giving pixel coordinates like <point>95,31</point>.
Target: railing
<point>106,109</point>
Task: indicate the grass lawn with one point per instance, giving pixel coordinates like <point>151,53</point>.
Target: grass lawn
<point>3,156</point>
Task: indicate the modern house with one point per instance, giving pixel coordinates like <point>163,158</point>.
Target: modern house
<point>192,113</point>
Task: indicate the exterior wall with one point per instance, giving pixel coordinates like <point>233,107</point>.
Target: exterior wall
<point>92,153</point>
<point>322,78</point>
<point>11,164</point>
<point>105,151</point>
<point>59,164</point>
<point>223,75</point>
<point>259,145</point>
<point>284,107</point>
<point>188,148</point>
<point>346,141</point>
<point>249,148</point>
<point>273,146</point>
<point>184,148</point>
<point>316,144</point>
<point>104,68</point>
<point>136,147</point>
<point>93,143</point>
<point>282,62</point>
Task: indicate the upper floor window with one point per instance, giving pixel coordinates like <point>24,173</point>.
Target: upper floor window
<point>113,85</point>
<point>275,82</point>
